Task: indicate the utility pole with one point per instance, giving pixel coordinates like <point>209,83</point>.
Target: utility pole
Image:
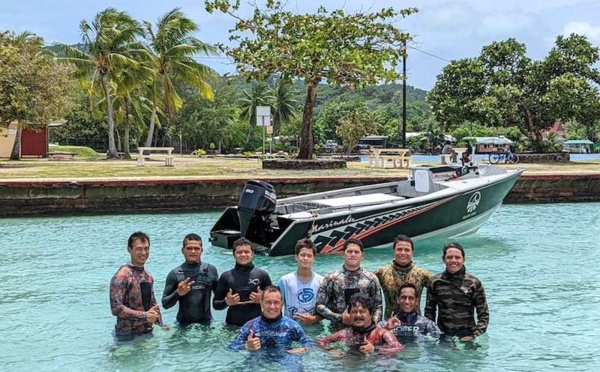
<point>404,93</point>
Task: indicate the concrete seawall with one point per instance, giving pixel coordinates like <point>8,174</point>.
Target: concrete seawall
<point>47,198</point>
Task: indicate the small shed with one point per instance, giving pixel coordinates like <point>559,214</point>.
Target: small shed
<point>34,142</point>
<point>578,146</point>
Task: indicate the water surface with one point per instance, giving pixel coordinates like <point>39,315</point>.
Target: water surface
<point>538,263</point>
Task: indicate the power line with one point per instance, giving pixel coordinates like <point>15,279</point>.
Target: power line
<point>429,54</point>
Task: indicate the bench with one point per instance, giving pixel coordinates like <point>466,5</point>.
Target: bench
<point>380,158</point>
<point>61,155</point>
<point>141,161</point>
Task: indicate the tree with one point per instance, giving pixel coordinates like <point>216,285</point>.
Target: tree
<point>284,104</point>
<point>174,48</point>
<point>503,88</point>
<point>259,95</point>
<point>355,125</point>
<point>109,45</point>
<point>346,49</point>
<point>34,89</point>
<point>202,122</point>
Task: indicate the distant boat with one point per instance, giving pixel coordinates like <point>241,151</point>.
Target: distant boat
<point>435,201</point>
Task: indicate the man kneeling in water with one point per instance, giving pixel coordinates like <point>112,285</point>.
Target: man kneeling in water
<point>271,329</point>
<point>406,323</point>
<point>363,335</point>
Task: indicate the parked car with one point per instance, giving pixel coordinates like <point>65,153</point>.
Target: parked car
<point>331,146</point>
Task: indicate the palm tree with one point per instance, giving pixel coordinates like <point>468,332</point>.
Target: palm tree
<point>130,97</point>
<point>285,106</point>
<point>109,45</point>
<point>260,95</point>
<point>174,47</point>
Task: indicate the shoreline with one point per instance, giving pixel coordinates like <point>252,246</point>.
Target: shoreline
<point>60,197</point>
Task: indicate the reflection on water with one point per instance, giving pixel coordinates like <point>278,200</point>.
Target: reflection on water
<point>538,264</point>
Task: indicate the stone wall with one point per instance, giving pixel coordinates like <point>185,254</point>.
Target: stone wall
<point>141,196</point>
<point>304,164</point>
<point>551,157</point>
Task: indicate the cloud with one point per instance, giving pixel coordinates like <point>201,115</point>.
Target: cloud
<point>583,28</point>
<point>504,25</point>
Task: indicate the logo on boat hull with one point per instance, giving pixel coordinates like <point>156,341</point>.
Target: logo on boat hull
<point>473,202</point>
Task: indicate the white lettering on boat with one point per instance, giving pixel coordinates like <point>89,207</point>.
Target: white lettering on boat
<point>333,224</point>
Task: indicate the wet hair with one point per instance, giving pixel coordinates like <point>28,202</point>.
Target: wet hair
<point>270,289</point>
<point>242,241</point>
<point>403,238</point>
<point>453,245</point>
<point>353,241</point>
<point>361,299</point>
<point>192,237</point>
<point>305,243</point>
<point>138,235</point>
<point>407,285</point>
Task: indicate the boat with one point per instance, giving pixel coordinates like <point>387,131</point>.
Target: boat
<point>433,202</point>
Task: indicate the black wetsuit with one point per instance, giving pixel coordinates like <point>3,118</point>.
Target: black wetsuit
<point>242,280</point>
<point>194,307</point>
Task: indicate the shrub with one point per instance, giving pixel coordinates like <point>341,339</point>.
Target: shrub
<point>199,152</point>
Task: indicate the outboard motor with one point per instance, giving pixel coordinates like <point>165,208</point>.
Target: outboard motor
<point>256,204</point>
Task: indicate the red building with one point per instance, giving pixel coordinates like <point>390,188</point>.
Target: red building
<point>34,142</point>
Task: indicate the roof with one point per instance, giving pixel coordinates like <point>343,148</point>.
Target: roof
<point>557,127</point>
<point>500,140</point>
<point>579,142</point>
<point>373,137</point>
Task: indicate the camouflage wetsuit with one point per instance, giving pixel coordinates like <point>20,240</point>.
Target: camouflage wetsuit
<point>413,326</point>
<point>383,340</point>
<point>391,277</point>
<point>337,288</point>
<point>131,296</point>
<point>454,299</point>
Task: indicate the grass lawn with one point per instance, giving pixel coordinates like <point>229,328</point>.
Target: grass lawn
<point>193,167</point>
<point>81,152</point>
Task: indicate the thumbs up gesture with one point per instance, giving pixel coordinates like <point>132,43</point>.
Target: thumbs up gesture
<point>366,347</point>
<point>232,299</point>
<point>253,343</point>
<point>256,296</point>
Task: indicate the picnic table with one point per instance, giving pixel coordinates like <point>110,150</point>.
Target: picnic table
<point>379,158</point>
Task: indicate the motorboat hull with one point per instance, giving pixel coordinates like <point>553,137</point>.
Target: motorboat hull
<point>459,208</point>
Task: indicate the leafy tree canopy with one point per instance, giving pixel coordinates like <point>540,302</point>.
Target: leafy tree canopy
<point>503,88</point>
<point>34,89</point>
<point>347,49</point>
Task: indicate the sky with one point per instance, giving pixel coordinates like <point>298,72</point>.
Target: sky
<point>443,30</point>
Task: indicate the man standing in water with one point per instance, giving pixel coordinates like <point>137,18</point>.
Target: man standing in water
<point>132,298</point>
<point>406,323</point>
<point>401,270</point>
<point>240,288</point>
<point>191,284</point>
<point>339,285</point>
<point>271,329</point>
<point>364,335</point>
<point>454,296</point>
<point>299,288</point>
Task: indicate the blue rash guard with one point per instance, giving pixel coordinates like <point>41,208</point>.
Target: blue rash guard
<point>273,333</point>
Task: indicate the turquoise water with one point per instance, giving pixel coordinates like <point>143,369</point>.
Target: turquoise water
<point>538,263</point>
